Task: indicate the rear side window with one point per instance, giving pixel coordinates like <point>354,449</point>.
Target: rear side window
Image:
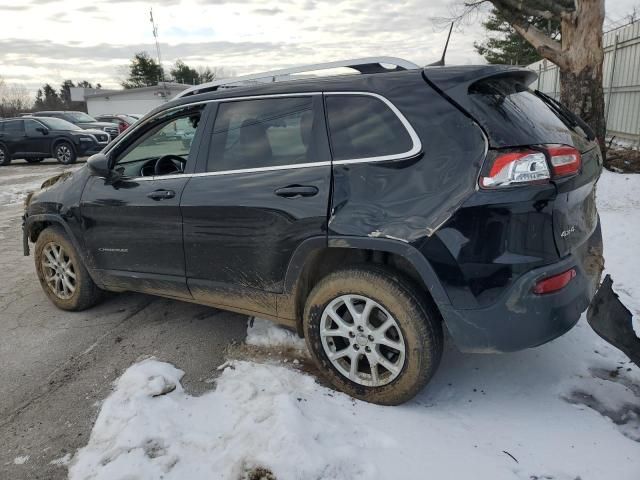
<point>363,126</point>
<point>14,127</point>
<point>266,133</point>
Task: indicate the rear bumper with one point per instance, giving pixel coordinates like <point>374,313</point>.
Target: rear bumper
<point>521,319</point>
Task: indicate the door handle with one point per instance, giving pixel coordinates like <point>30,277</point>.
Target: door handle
<point>293,191</point>
<point>161,194</point>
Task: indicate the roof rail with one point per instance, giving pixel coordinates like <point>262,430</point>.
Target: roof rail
<point>362,65</point>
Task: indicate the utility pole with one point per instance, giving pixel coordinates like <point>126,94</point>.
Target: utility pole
<point>155,36</point>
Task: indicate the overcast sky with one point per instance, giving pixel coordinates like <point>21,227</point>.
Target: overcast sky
<point>49,40</point>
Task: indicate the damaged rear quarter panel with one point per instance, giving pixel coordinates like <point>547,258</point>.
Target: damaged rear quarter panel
<point>407,200</point>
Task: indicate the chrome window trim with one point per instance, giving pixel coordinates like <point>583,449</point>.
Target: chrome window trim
<point>415,150</point>
<point>415,139</point>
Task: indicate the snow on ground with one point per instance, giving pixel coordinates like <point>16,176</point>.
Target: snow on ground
<point>263,333</point>
<point>17,181</point>
<point>619,206</point>
<point>569,409</point>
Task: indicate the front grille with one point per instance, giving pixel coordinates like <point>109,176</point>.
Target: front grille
<point>113,131</point>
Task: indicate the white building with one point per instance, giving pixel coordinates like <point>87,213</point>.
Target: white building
<point>133,100</point>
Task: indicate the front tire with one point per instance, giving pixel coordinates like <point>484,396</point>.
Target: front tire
<point>372,334</point>
<point>64,153</point>
<point>61,272</point>
<point>5,158</point>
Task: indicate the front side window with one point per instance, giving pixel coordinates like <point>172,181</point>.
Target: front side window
<point>31,128</point>
<point>163,150</point>
<point>264,133</point>
<point>363,126</point>
<point>76,117</point>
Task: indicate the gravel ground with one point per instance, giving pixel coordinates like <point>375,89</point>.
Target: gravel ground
<point>58,366</point>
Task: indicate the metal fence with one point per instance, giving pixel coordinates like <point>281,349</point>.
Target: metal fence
<point>621,81</point>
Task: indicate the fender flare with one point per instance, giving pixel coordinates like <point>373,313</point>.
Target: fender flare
<point>50,218</point>
<point>405,250</point>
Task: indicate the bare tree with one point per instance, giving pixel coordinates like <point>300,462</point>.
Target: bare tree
<point>14,99</point>
<point>578,53</point>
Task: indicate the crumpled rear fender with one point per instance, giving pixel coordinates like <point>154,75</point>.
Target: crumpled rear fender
<point>610,319</point>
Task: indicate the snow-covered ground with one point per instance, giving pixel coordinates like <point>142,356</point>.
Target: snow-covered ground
<point>17,181</point>
<point>569,409</point>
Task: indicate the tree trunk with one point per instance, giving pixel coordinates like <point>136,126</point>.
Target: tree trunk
<point>581,73</point>
<point>583,94</point>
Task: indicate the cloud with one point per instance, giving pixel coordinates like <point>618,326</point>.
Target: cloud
<point>267,11</point>
<point>245,36</point>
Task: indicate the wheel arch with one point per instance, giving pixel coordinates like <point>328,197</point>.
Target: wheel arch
<point>35,224</point>
<point>317,257</point>
<point>60,140</point>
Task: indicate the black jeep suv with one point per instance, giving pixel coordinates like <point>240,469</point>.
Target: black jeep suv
<point>368,212</point>
<point>82,120</point>
<point>35,139</point>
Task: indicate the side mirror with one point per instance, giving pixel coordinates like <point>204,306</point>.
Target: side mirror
<point>99,165</point>
<point>43,130</point>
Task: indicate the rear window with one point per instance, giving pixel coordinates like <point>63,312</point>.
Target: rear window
<point>516,103</point>
<point>362,126</point>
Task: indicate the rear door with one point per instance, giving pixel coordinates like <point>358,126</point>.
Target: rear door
<point>13,136</point>
<point>263,191</point>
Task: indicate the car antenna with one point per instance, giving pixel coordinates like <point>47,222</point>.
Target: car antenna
<point>440,63</point>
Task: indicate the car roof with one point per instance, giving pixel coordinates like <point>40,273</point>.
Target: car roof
<point>372,82</point>
<point>350,82</point>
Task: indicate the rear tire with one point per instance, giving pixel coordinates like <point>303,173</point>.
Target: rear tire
<point>61,272</point>
<point>394,334</point>
<point>34,160</point>
<point>5,158</point>
<point>64,153</point>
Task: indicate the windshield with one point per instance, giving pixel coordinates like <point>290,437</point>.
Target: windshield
<point>79,117</point>
<point>57,124</point>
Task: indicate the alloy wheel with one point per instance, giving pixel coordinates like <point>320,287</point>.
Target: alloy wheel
<point>58,270</point>
<point>63,154</point>
<point>362,340</point>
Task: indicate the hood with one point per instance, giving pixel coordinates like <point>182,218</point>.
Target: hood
<point>98,125</point>
<point>92,131</point>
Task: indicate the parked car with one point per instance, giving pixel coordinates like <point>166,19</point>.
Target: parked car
<point>35,139</point>
<point>368,212</point>
<point>121,121</point>
<point>82,120</point>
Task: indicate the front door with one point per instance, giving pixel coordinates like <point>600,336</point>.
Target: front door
<point>263,191</point>
<point>133,226</point>
<point>38,140</point>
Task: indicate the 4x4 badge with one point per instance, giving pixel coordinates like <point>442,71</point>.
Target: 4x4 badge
<point>567,232</point>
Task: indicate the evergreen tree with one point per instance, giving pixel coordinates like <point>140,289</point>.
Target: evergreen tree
<point>506,46</point>
<point>144,71</point>
<point>183,73</point>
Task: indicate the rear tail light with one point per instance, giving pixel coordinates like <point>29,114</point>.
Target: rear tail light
<point>554,283</point>
<point>122,127</point>
<point>564,160</point>
<point>530,166</point>
<point>516,168</point>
